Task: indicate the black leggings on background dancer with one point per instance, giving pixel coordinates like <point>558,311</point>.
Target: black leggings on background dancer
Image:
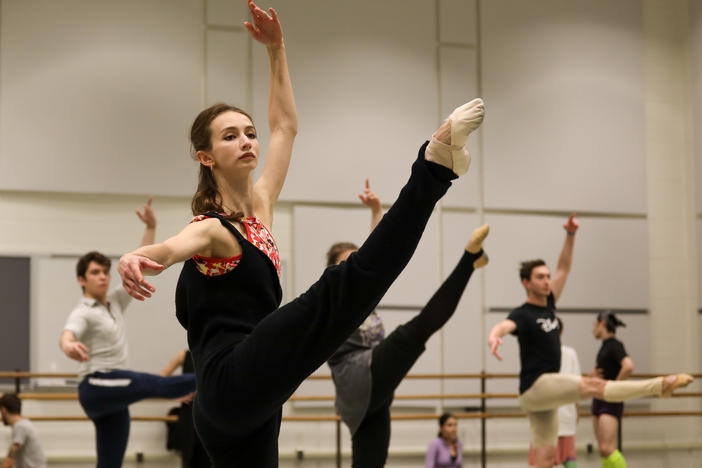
<point>393,357</point>
<point>368,367</point>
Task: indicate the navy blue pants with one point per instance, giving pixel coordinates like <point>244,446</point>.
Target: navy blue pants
<point>238,407</point>
<point>106,396</point>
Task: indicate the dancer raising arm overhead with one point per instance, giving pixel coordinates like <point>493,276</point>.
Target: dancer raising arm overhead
<point>542,389</point>
<point>250,354</point>
<point>368,367</point>
<point>95,336</point>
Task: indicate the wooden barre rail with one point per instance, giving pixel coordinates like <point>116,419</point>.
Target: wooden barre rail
<point>483,415</point>
<point>430,396</point>
<point>394,417</point>
<point>29,375</point>
<point>85,418</point>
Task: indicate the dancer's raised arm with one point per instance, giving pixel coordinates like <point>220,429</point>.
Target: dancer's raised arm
<point>282,115</point>
<point>149,219</point>
<point>565,260</point>
<point>371,200</point>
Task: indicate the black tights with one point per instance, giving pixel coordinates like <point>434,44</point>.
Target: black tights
<point>393,358</point>
<point>240,395</point>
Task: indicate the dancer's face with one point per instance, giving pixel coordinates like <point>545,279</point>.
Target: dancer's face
<point>540,282</point>
<point>600,329</point>
<point>449,430</point>
<point>343,256</point>
<point>234,145</point>
<point>96,280</point>
<point>5,420</point>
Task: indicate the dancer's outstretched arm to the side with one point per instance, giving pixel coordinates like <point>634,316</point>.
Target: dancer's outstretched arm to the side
<point>282,115</point>
<point>201,238</point>
<point>68,342</point>
<point>498,331</point>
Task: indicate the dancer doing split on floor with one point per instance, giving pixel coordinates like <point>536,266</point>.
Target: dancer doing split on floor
<point>542,389</point>
<point>250,354</point>
<point>368,367</point>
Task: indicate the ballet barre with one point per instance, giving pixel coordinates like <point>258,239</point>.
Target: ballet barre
<point>482,414</point>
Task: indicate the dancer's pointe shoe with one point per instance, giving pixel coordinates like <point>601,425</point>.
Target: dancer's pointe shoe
<point>462,121</point>
<point>475,245</point>
<point>672,382</point>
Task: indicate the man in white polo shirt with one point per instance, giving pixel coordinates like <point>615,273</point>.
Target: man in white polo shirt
<point>95,336</point>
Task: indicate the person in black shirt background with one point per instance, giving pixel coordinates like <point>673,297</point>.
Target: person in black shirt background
<point>542,389</point>
<point>181,434</point>
<point>613,363</point>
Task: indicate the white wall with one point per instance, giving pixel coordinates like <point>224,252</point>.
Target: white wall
<point>565,92</point>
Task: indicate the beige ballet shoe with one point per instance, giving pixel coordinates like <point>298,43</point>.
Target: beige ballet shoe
<point>463,120</point>
<point>475,245</point>
<point>481,262</point>
<point>673,382</point>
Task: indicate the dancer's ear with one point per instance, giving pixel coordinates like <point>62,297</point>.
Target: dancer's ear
<point>205,158</point>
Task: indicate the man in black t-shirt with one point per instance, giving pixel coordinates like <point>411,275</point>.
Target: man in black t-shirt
<point>542,389</point>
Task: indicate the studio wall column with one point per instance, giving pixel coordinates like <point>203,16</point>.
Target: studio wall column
<point>671,190</point>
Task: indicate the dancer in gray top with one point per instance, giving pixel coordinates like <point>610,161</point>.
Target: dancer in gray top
<point>25,450</point>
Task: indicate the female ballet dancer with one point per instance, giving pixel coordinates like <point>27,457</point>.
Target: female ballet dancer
<point>613,363</point>
<point>446,451</point>
<point>368,367</point>
<point>250,354</point>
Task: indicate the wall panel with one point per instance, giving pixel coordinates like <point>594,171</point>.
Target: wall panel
<point>366,101</point>
<point>610,261</point>
<point>564,90</point>
<point>227,70</point>
<point>316,229</point>
<point>97,97</point>
<point>458,72</point>
<point>462,336</point>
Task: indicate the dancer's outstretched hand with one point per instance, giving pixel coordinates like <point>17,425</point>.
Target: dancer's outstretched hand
<point>572,224</point>
<point>77,351</point>
<point>266,28</point>
<point>187,398</point>
<point>147,217</point>
<point>130,268</point>
<point>494,342</point>
<point>370,199</point>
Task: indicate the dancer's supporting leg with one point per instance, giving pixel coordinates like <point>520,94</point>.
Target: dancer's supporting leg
<point>106,396</point>
<point>396,354</point>
<point>606,427</point>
